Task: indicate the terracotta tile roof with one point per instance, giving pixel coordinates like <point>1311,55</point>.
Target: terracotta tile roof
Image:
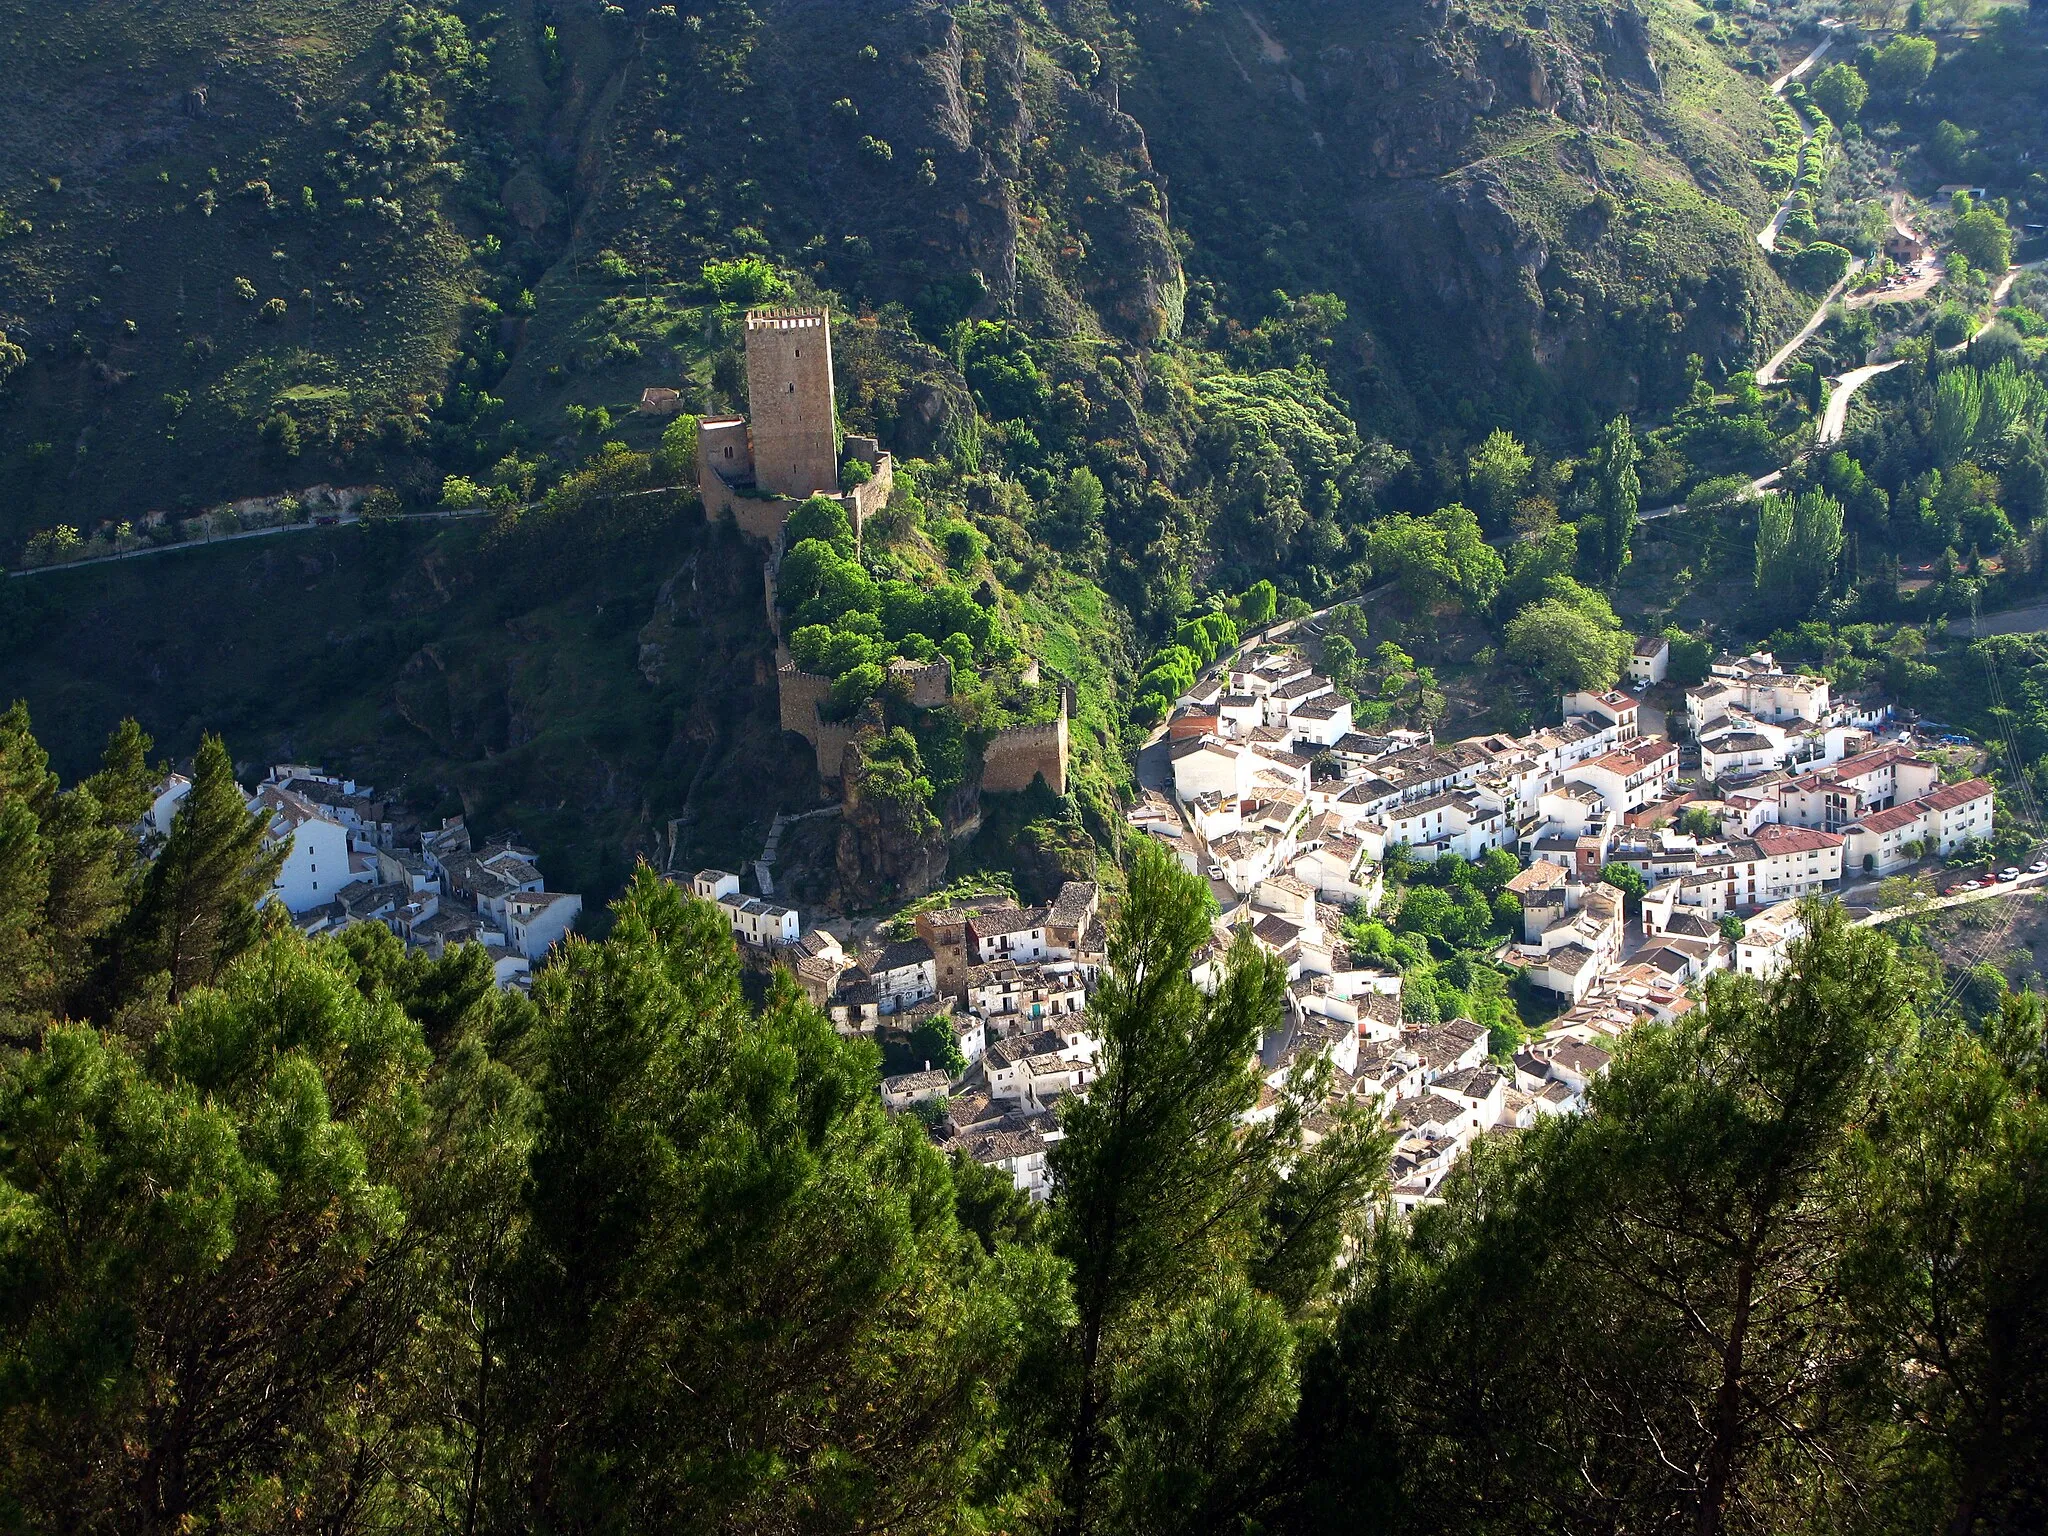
<point>1776,838</point>
<point>1950,796</point>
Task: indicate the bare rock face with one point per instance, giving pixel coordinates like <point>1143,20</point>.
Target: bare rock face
<point>1624,35</point>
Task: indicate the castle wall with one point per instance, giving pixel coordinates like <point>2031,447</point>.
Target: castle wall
<point>760,517</point>
<point>1013,758</point>
<point>789,401</point>
<point>931,683</point>
<point>800,695</point>
<point>1019,753</point>
<point>869,498</point>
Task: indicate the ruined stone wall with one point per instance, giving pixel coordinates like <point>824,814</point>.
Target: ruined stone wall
<point>761,517</point>
<point>799,694</point>
<point>1019,753</point>
<point>872,495</point>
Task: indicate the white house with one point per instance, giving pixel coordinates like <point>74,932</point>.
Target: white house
<point>908,1088</point>
<point>1767,939</point>
<point>1650,661</point>
<point>163,806</point>
<point>1322,721</point>
<point>1630,777</point>
<point>903,974</point>
<point>316,863</point>
<point>1466,822</point>
<point>1016,934</point>
<point>535,921</point>
<point>711,884</point>
<point>1939,822</point>
<point>1797,861</point>
<point>760,923</point>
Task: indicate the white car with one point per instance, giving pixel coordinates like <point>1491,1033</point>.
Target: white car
<point>2039,866</point>
<point>1215,871</point>
<point>2008,874</point>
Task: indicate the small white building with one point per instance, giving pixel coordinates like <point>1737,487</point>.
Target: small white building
<point>908,1088</point>
<point>316,863</point>
<point>1765,947</point>
<point>1650,662</point>
<point>536,921</point>
<point>711,884</point>
<point>904,974</point>
<point>760,923</point>
<point>163,806</point>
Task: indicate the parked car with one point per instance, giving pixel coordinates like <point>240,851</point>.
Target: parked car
<point>2009,873</point>
<point>2039,866</point>
<point>1215,871</point>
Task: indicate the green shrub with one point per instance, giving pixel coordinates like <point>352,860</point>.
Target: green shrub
<point>745,280</point>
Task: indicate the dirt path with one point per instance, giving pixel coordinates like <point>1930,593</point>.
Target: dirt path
<point>1768,374</point>
<point>1998,298</point>
<point>1767,237</point>
<point>1836,417</point>
<point>1778,85</point>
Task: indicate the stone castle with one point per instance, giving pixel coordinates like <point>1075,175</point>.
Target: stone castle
<point>1013,757</point>
<point>756,468</point>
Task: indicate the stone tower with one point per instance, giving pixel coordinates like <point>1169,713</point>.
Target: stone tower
<point>789,397</point>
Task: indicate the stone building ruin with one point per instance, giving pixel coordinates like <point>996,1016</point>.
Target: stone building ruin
<point>756,468</point>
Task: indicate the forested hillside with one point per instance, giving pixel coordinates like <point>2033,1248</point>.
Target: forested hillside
<point>256,248</point>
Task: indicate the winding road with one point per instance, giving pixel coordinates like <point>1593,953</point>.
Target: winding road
<point>1836,418</point>
<point>1768,374</point>
<point>1767,237</point>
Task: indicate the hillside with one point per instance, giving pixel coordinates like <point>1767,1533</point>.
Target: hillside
<point>220,215</point>
<point>1264,275</point>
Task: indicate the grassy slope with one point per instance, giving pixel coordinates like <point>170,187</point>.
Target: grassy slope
<point>125,295</point>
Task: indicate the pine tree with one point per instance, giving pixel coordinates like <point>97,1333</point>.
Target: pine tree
<point>197,909</point>
<point>1164,1199</point>
<point>127,779</point>
<point>63,882</point>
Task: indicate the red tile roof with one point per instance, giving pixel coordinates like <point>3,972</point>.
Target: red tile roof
<point>1891,820</point>
<point>1777,838</point>
<point>1950,796</point>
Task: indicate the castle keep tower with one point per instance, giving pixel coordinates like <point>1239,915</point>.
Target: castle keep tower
<point>755,469</point>
<point>789,399</point>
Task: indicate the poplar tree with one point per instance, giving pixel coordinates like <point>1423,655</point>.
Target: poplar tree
<point>1619,491</point>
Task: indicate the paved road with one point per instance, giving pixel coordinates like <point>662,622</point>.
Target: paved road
<point>344,520</point>
<point>1837,416</point>
<point>2017,887</point>
<point>1760,484</point>
<point>2012,621</point>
